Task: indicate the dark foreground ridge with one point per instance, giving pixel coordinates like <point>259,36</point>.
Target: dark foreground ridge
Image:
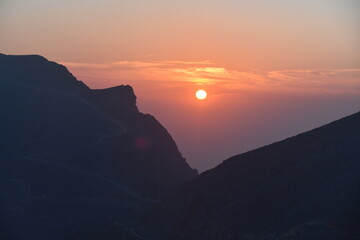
<point>304,187</point>
<point>73,159</point>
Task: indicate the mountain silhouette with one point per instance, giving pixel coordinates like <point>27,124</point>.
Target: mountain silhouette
<point>78,163</point>
<point>72,157</point>
<point>304,187</point>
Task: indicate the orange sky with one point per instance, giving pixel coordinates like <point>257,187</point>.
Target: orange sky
<point>244,110</point>
<point>271,68</point>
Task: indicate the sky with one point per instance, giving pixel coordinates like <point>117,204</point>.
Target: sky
<point>272,69</point>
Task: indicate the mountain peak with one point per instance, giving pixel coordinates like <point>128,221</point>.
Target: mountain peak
<point>121,91</point>
<point>37,71</point>
<point>33,57</point>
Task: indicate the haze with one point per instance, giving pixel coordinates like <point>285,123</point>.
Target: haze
<point>271,69</point>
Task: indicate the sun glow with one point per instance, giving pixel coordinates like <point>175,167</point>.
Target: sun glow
<point>201,94</point>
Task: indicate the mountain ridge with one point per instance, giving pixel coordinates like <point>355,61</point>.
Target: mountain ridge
<point>306,185</point>
<point>73,155</point>
<point>79,163</point>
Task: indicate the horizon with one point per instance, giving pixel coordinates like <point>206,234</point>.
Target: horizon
<point>271,70</point>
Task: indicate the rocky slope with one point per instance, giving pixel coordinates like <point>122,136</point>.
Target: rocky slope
<point>304,187</point>
<point>71,155</point>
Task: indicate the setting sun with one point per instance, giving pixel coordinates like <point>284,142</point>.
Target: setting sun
<point>201,94</point>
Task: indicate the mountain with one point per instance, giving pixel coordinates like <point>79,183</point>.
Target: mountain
<point>72,157</point>
<point>304,187</point>
<point>78,163</point>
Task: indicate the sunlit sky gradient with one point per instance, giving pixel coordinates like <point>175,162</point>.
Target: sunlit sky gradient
<point>272,68</point>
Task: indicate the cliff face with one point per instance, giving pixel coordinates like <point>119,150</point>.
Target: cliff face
<point>70,154</point>
<point>304,187</point>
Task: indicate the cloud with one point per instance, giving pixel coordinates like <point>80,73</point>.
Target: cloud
<point>330,79</point>
<point>206,72</point>
<point>136,64</point>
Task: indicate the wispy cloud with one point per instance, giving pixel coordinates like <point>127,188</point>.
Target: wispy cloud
<point>138,64</point>
<point>206,72</point>
<point>331,79</point>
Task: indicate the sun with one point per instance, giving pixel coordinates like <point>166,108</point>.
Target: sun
<point>201,94</point>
